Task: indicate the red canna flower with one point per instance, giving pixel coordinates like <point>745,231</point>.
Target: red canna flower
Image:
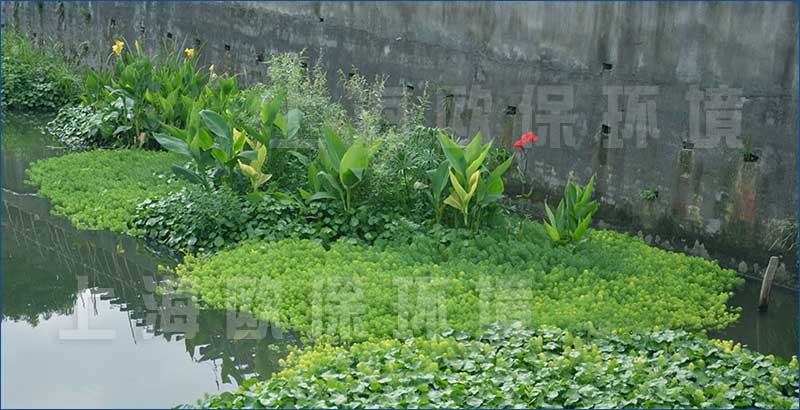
<point>529,137</point>
<point>524,139</point>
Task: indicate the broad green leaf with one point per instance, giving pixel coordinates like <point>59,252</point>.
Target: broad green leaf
<point>552,232</point>
<point>454,154</point>
<point>191,176</point>
<point>173,144</point>
<point>581,229</point>
<point>334,147</point>
<point>501,169</point>
<point>474,149</point>
<point>476,163</point>
<point>356,158</point>
<point>293,119</point>
<point>220,155</point>
<point>218,126</point>
<point>320,195</point>
<point>550,215</point>
<point>439,178</point>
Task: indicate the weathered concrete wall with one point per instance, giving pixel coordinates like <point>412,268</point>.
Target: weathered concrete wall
<point>499,55</point>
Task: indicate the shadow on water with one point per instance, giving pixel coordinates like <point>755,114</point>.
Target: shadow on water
<point>84,321</point>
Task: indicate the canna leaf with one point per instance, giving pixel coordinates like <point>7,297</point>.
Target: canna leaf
<point>454,155</point>
<point>353,163</point>
<point>173,144</point>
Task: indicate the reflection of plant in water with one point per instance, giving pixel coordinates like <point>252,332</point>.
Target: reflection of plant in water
<point>43,260</point>
<point>242,356</point>
<point>22,133</point>
<point>33,288</point>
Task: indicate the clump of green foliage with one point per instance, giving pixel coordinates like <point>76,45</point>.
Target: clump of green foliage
<point>650,194</point>
<point>570,222</point>
<point>511,367</point>
<point>196,220</point>
<point>341,166</point>
<point>473,187</point>
<point>306,90</point>
<point>464,281</point>
<point>36,78</point>
<point>76,127</point>
<point>136,94</point>
<point>100,189</point>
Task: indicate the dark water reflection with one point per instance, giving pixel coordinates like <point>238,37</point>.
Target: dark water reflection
<point>82,322</point>
<point>770,332</point>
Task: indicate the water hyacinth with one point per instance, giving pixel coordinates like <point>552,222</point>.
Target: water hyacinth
<point>511,367</point>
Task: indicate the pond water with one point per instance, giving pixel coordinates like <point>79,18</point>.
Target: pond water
<point>83,325</point>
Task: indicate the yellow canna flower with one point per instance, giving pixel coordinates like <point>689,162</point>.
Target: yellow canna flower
<point>117,47</point>
<point>211,70</point>
<point>189,52</point>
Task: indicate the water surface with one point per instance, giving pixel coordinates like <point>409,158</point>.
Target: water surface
<point>82,322</point>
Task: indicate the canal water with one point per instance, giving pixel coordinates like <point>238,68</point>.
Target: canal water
<point>84,326</point>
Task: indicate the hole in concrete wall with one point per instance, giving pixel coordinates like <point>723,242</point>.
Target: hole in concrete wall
<point>409,87</point>
<point>321,20</point>
<point>605,129</point>
<point>227,47</point>
<point>169,35</point>
<point>688,145</point>
<point>197,43</point>
<point>33,34</point>
<point>141,29</point>
<point>350,75</point>
<point>260,57</point>
<point>608,66</point>
<point>112,23</point>
<point>511,110</point>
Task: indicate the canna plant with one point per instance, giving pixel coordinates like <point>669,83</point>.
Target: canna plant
<point>473,188</point>
<point>568,225</point>
<point>140,92</point>
<point>254,169</point>
<point>338,169</point>
<point>214,146</point>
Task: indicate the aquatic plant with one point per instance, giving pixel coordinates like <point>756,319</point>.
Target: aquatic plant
<point>100,189</point>
<point>36,78</point>
<point>440,280</point>
<point>511,367</point>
